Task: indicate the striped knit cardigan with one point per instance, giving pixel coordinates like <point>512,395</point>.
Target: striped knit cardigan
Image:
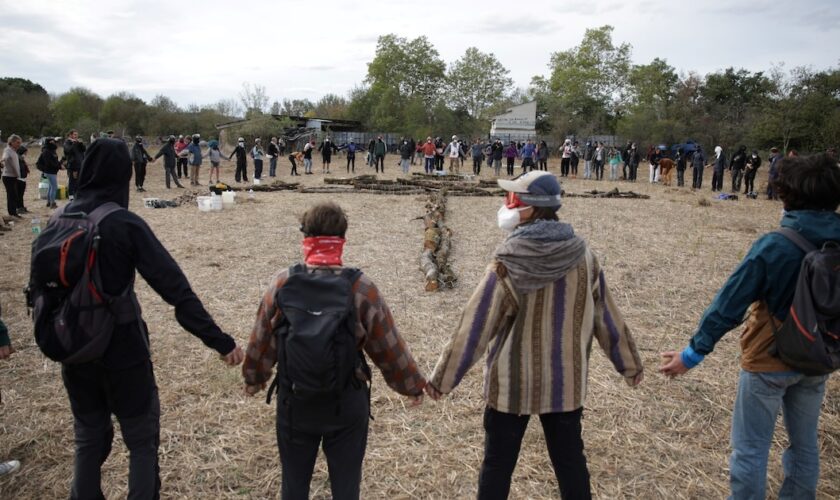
<point>539,343</point>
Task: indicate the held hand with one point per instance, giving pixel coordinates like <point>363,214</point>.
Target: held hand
<point>6,351</point>
<point>415,400</point>
<point>433,392</point>
<point>672,365</point>
<point>250,390</point>
<point>234,357</point>
<point>635,380</point>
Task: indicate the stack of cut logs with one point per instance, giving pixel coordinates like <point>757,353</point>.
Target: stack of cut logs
<point>437,243</point>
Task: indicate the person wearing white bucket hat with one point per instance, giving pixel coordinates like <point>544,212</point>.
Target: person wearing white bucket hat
<point>543,297</point>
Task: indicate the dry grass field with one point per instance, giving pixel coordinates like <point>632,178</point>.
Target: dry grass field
<point>664,259</point>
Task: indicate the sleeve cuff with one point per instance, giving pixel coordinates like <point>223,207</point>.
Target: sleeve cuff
<point>691,358</point>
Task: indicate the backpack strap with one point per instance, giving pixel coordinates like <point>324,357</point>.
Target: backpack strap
<point>799,240</point>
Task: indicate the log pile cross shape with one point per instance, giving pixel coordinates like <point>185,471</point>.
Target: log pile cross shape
<point>437,243</point>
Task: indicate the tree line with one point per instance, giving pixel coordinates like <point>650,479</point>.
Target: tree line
<point>592,88</point>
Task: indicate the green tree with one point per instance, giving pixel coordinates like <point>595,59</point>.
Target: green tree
<point>125,113</point>
<point>732,99</point>
<point>297,107</point>
<point>24,107</point>
<point>77,105</point>
<point>476,81</point>
<point>331,106</point>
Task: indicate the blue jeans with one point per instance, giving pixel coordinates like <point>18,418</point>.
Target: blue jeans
<point>760,397</point>
<point>53,191</point>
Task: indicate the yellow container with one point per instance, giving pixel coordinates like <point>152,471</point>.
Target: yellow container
<point>62,193</point>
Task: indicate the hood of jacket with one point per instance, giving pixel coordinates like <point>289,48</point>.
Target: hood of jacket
<point>105,176</point>
<point>817,226</point>
<point>540,253</point>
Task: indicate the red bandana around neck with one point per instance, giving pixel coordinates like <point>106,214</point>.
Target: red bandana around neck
<point>323,250</point>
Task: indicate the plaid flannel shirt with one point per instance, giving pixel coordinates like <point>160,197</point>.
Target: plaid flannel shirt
<point>375,333</point>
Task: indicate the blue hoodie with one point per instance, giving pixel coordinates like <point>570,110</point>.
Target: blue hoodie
<point>768,272</point>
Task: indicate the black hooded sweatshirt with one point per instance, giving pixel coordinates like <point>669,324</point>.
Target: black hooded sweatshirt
<point>48,160</point>
<point>128,244</point>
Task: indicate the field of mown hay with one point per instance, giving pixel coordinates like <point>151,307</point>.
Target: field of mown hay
<point>664,259</point>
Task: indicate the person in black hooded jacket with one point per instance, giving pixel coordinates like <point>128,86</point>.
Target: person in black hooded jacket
<point>74,153</point>
<point>169,157</point>
<point>122,383</point>
<point>140,158</point>
<point>736,167</point>
<point>49,165</point>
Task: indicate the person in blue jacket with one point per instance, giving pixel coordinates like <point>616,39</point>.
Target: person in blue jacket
<point>762,286</point>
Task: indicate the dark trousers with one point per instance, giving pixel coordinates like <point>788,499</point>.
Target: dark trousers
<point>697,178</point>
<point>599,169</point>
<point>139,174</point>
<point>503,438</point>
<point>182,167</point>
<point>749,181</point>
<point>527,164</point>
<point>565,163</point>
<point>429,165</point>
<point>272,166</point>
<point>680,177</point>
<point>438,162</point>
<point>634,171</point>
<point>510,166</point>
<point>379,163</point>
<point>131,395</point>
<point>11,185</point>
<point>72,182</point>
<point>351,163</point>
<point>477,165</point>
<point>21,190</point>
<point>624,171</point>
<point>294,165</point>
<point>241,172</point>
<point>341,427</point>
<point>170,172</point>
<point>575,162</point>
<point>717,180</point>
<point>258,166</point>
<point>737,175</point>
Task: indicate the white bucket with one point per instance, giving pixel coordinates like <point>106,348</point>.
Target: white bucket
<point>228,199</point>
<point>216,202</point>
<point>205,203</point>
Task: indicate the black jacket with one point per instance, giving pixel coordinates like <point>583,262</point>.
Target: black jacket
<point>241,155</point>
<point>327,149</point>
<point>74,153</point>
<point>128,245</point>
<point>139,154</point>
<point>168,153</point>
<point>739,160</point>
<point>48,160</point>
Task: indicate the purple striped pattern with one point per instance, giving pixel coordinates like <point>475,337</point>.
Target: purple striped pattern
<point>557,343</point>
<point>615,351</point>
<point>477,326</point>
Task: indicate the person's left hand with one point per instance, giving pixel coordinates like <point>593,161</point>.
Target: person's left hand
<point>635,380</point>
<point>415,400</point>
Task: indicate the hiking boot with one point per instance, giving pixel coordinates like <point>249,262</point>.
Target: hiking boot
<point>9,467</point>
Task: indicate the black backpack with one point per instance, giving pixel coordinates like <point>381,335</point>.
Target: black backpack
<point>317,355</point>
<point>74,318</point>
<point>809,339</point>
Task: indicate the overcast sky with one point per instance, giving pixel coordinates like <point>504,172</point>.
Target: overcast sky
<point>200,52</point>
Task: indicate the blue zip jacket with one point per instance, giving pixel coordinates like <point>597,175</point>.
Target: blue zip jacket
<point>528,151</point>
<point>768,272</point>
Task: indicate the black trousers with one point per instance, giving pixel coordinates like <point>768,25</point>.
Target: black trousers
<point>139,174</point>
<point>21,190</point>
<point>11,185</point>
<point>575,161</point>
<point>294,165</point>
<point>565,164</point>
<point>697,178</point>
<point>72,182</point>
<point>749,181</point>
<point>737,175</point>
<point>351,163</point>
<point>503,438</point>
<point>599,169</point>
<point>241,172</point>
<point>680,177</point>
<point>341,427</point>
<point>258,166</point>
<point>634,171</point>
<point>379,163</point>
<point>717,180</point>
<point>477,165</point>
<point>528,165</point>
<point>131,395</point>
<point>182,166</point>
<point>510,166</point>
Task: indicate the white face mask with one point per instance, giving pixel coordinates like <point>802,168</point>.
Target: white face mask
<point>509,218</point>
